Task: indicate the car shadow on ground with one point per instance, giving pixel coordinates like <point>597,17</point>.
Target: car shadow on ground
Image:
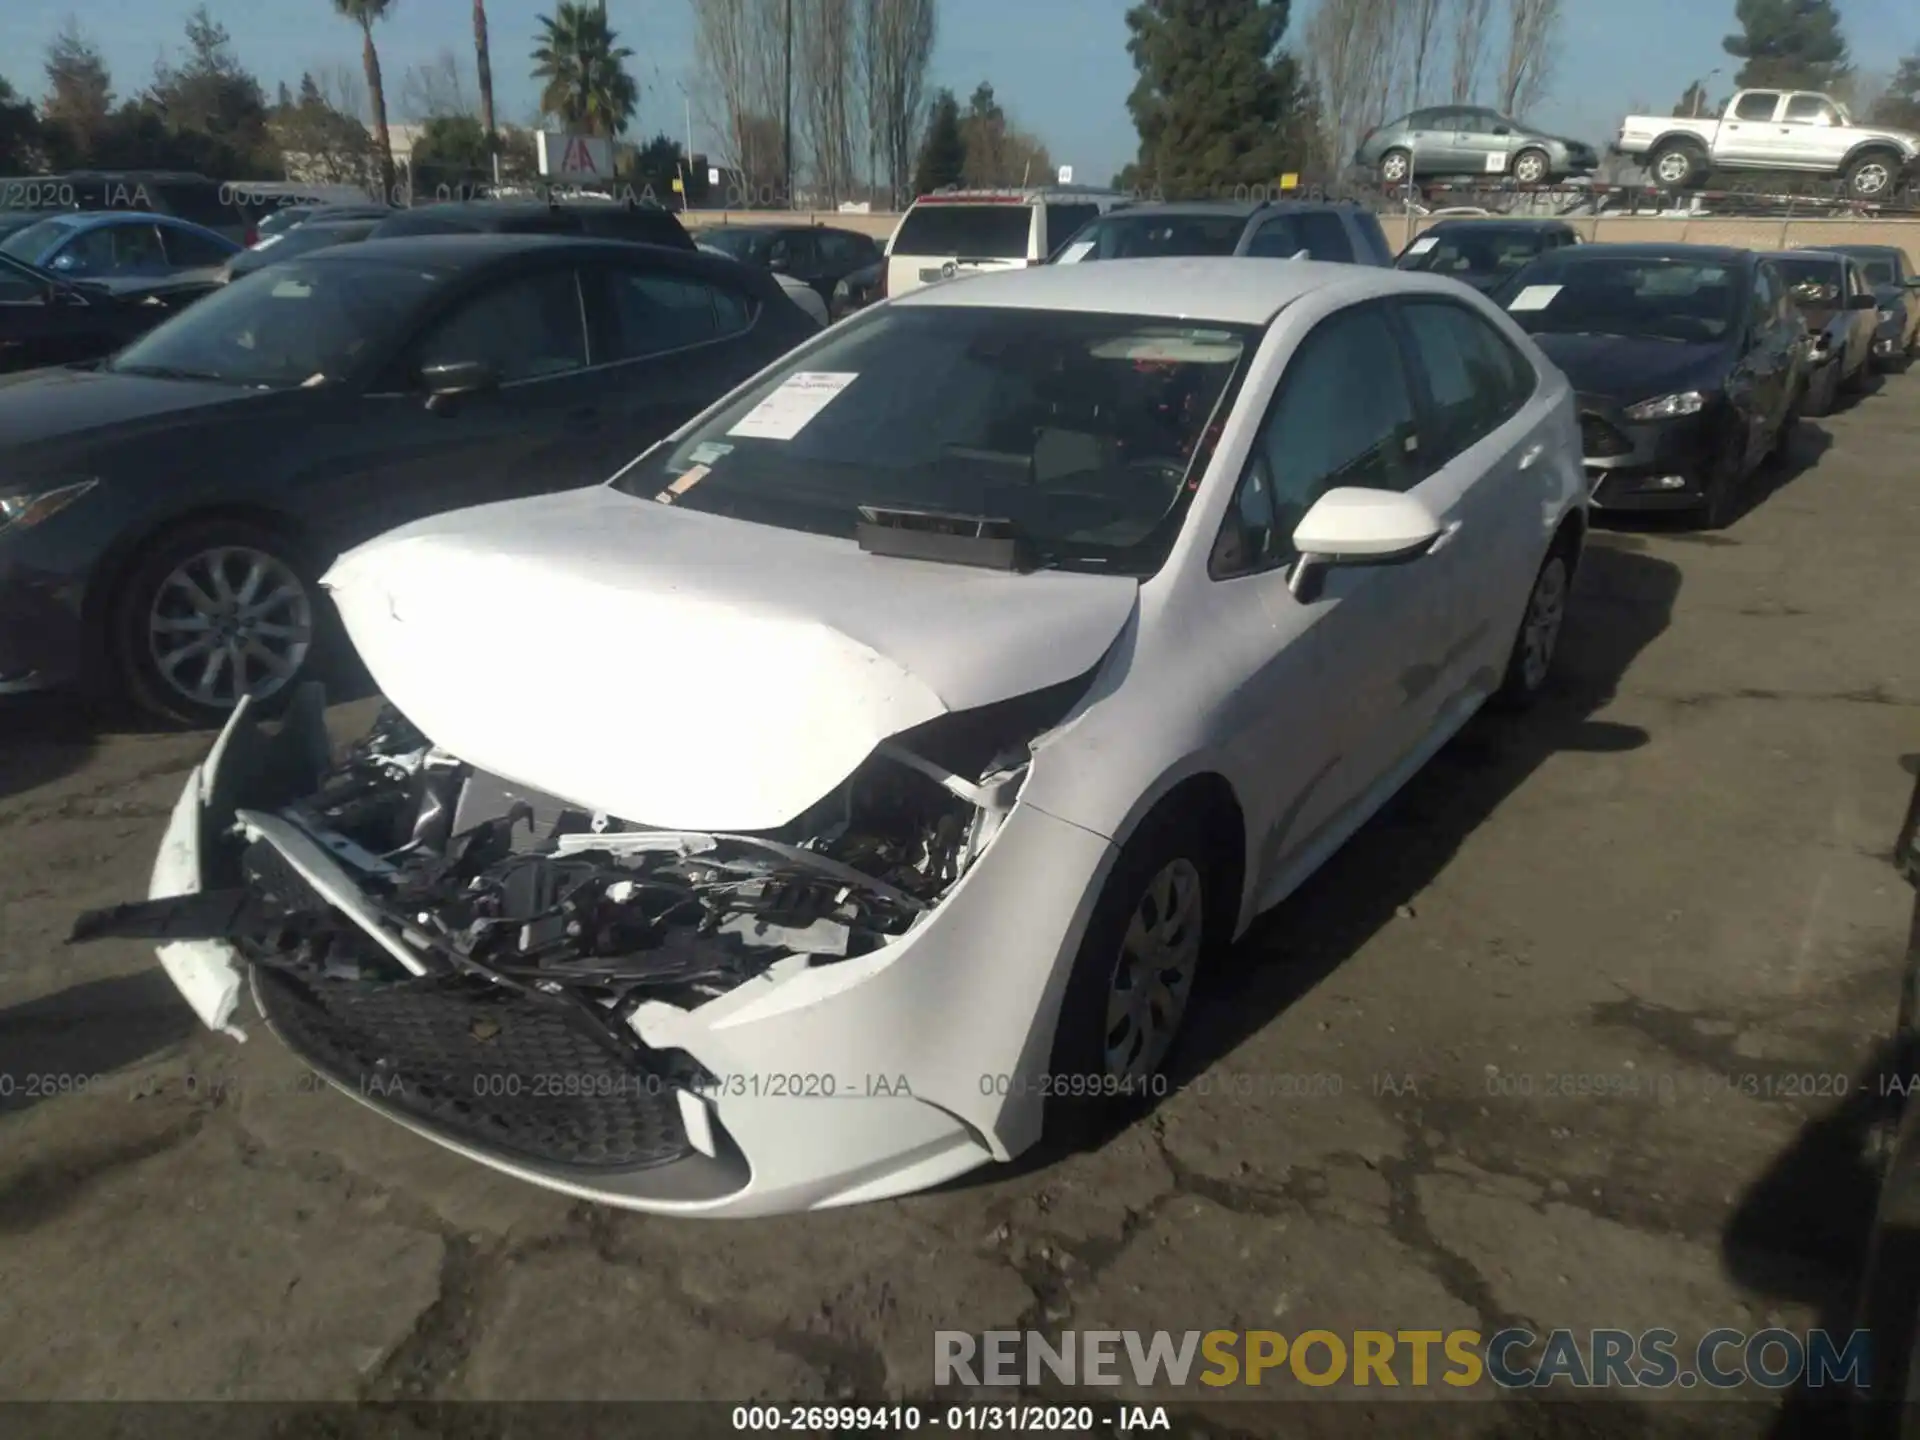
<point>42,738</point>
<point>68,1042</point>
<point>1623,600</point>
<point>1810,442</point>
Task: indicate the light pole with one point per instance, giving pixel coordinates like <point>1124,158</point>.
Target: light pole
<point>787,189</point>
<point>1700,90</point>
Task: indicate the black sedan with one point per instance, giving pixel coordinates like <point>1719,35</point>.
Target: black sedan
<point>1896,288</point>
<point>296,240</point>
<point>1688,361</point>
<point>1838,304</point>
<point>1484,253</point>
<point>46,320</point>
<point>165,515</point>
<point>816,255</point>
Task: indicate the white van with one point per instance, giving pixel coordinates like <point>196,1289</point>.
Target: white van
<point>962,232</point>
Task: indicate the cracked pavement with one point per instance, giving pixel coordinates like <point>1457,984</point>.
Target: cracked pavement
<point>1574,1034</point>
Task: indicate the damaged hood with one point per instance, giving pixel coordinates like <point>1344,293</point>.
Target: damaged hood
<point>689,671</point>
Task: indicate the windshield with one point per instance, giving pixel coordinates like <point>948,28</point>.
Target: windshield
<point>301,323</point>
<point>38,238</point>
<point>1638,296</point>
<point>1125,236</point>
<point>1471,250</point>
<point>1080,429</point>
<point>965,232</point>
<point>1811,282</point>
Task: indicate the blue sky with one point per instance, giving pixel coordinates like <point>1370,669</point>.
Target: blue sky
<point>1059,66</point>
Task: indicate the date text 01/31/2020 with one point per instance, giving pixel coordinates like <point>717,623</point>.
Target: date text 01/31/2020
<point>913,1419</point>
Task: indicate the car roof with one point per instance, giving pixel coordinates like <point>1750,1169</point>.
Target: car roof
<point>468,251</point>
<point>1808,253</point>
<point>1497,222</point>
<point>1860,252</point>
<point>1654,250</point>
<point>1215,288</point>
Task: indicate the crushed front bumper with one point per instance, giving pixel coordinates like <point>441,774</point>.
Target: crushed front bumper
<point>828,1084</point>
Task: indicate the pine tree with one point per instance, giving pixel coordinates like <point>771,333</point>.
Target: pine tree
<point>943,154</point>
<point>1793,44</point>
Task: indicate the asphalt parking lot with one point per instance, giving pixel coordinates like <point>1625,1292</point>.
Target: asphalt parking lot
<point>1577,1034</point>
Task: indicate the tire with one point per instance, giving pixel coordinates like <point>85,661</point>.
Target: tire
<point>1396,167</point>
<point>1860,381</point>
<point>1168,858</point>
<point>1780,448</point>
<point>1677,166</point>
<point>1537,643</point>
<point>184,637</point>
<point>1872,175</point>
<point>1532,167</point>
<point>1821,391</point>
<point>1721,503</point>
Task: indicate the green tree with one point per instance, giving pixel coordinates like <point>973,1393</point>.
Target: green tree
<point>1218,103</point>
<point>212,105</point>
<point>79,98</point>
<point>584,76</point>
<point>365,13</point>
<point>1789,43</point>
<point>452,142</point>
<point>19,132</point>
<point>322,146</point>
<point>1900,106</point>
<point>943,154</point>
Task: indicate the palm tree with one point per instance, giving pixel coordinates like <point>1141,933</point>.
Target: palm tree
<point>363,13</point>
<point>587,84</point>
<point>483,67</point>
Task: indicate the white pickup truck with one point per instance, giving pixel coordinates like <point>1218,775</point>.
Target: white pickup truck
<point>1785,130</point>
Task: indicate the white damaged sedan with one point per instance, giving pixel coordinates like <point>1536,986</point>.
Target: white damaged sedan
<point>854,785</point>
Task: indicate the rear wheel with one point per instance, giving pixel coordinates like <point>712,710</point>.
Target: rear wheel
<point>214,610</point>
<point>1677,166</point>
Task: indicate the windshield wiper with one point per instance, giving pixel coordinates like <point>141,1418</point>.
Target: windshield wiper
<point>990,541</point>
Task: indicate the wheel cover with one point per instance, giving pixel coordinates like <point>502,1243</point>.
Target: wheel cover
<point>1153,974</point>
<point>1870,179</point>
<point>1546,612</point>
<point>229,622</point>
<point>1672,166</point>
<point>1394,167</point>
<point>1529,168</point>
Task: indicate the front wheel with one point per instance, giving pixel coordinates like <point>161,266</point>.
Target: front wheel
<point>1721,502</point>
<point>1531,167</point>
<point>1127,994</point>
<point>1676,166</point>
<point>1396,167</point>
<point>1822,388</point>
<point>1871,176</point>
<point>214,610</point>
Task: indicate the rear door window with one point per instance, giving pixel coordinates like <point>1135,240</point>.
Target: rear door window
<point>1318,233</point>
<point>965,232</point>
<point>526,329</point>
<point>655,313</point>
<point>199,203</point>
<point>1476,381</point>
<point>189,247</point>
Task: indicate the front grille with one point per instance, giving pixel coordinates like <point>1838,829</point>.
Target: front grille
<point>479,1065</point>
<point>1600,440</point>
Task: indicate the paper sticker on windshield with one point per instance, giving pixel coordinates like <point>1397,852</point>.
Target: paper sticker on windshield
<point>1073,254</point>
<point>1534,297</point>
<point>787,411</point>
<point>707,452</point>
<point>1422,245</point>
<point>1497,163</point>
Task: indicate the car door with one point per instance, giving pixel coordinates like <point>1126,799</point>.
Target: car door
<point>1485,472</point>
<point>1764,368</point>
<point>1750,133</point>
<point>674,343</point>
<point>1867,317</point>
<point>111,251</point>
<point>1356,654</point>
<point>1807,135</point>
<point>37,326</point>
<point>1483,140</point>
<point>396,454</point>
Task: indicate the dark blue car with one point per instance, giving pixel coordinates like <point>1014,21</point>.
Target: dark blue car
<point>118,244</point>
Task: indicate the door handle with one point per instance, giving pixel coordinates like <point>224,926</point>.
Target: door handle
<point>1532,454</point>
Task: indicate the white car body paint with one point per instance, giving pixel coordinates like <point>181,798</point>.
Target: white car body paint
<point>570,642</point>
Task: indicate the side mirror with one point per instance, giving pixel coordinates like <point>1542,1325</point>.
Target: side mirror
<point>448,382</point>
<point>1354,526</point>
